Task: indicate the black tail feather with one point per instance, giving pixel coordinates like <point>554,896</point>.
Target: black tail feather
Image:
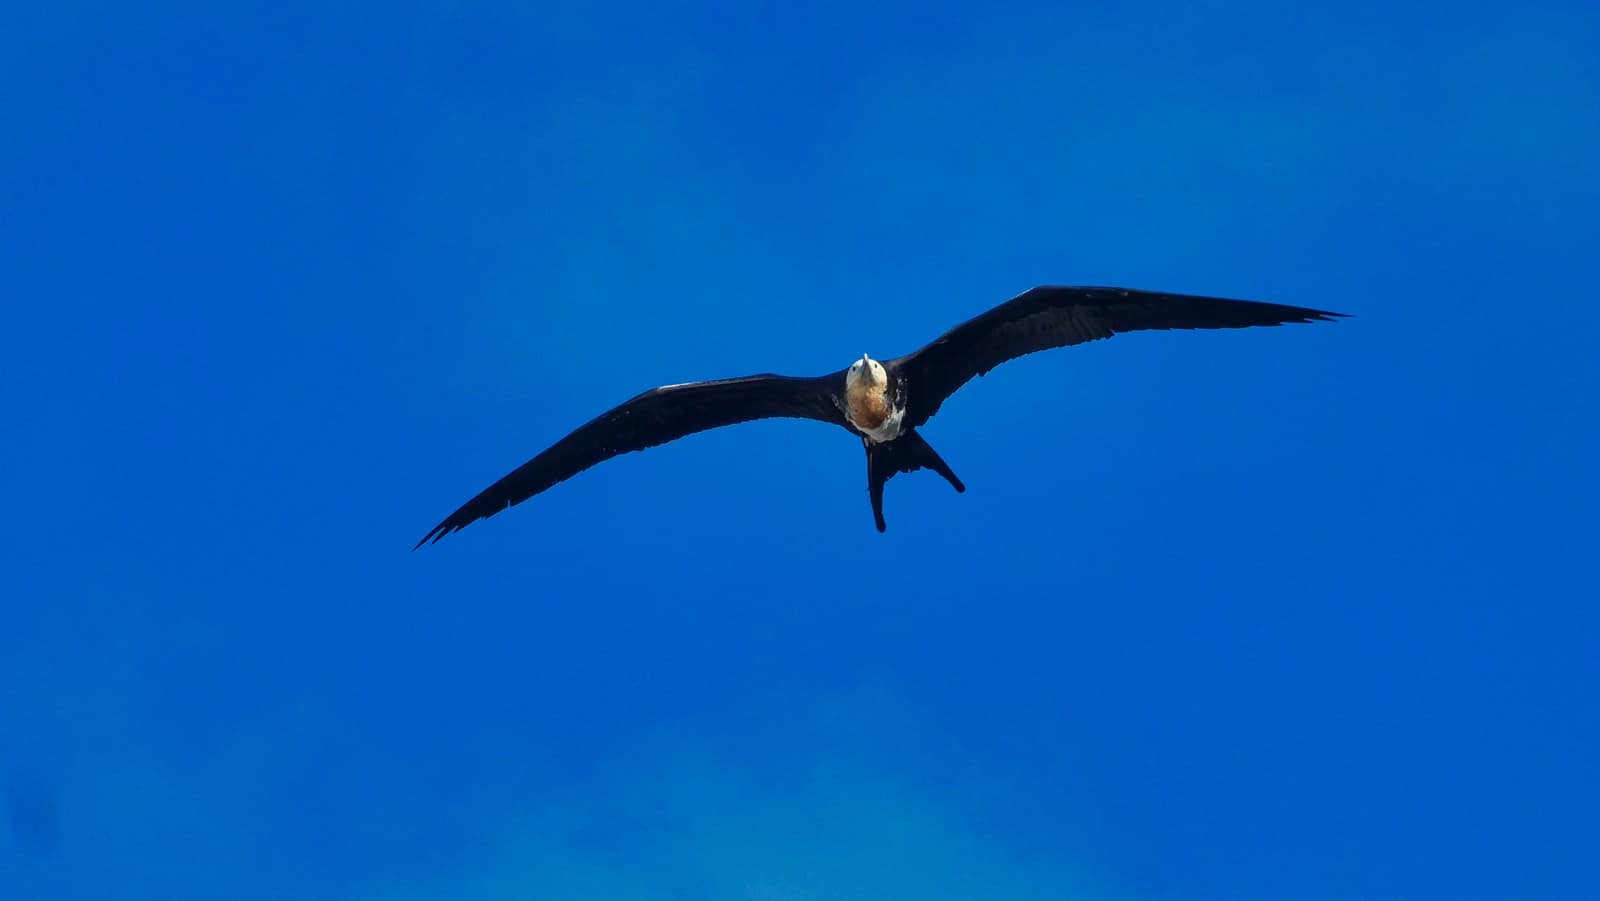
<point>907,453</point>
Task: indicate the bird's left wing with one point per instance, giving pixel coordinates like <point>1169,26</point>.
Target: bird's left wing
<point>1052,316</point>
<point>654,417</point>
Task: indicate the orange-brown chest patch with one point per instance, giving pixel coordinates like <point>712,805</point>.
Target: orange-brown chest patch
<point>869,408</point>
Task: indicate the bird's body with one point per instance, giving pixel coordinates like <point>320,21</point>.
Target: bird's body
<point>883,404</point>
<point>870,404</point>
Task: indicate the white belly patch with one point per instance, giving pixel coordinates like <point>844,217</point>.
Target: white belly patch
<point>888,430</point>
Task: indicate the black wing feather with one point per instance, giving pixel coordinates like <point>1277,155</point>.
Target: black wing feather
<point>654,417</point>
<point>1049,316</point>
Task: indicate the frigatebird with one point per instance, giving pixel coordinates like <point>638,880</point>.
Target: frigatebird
<point>882,403</point>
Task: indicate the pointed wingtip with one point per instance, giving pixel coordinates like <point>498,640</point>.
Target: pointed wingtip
<point>434,534</point>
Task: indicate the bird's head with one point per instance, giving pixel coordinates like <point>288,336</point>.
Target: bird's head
<point>868,372</point>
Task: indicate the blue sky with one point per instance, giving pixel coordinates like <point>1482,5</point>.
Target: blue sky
<point>1304,612</point>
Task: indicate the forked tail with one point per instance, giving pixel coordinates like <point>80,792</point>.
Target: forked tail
<point>907,453</point>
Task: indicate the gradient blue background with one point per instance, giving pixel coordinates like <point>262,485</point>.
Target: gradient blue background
<point>1296,613</point>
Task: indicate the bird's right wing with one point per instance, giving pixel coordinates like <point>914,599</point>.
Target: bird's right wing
<point>655,417</point>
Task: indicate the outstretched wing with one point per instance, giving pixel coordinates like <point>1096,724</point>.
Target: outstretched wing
<point>654,417</point>
<point>1047,317</point>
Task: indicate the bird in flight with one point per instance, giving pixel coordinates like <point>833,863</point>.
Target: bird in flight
<point>881,403</point>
